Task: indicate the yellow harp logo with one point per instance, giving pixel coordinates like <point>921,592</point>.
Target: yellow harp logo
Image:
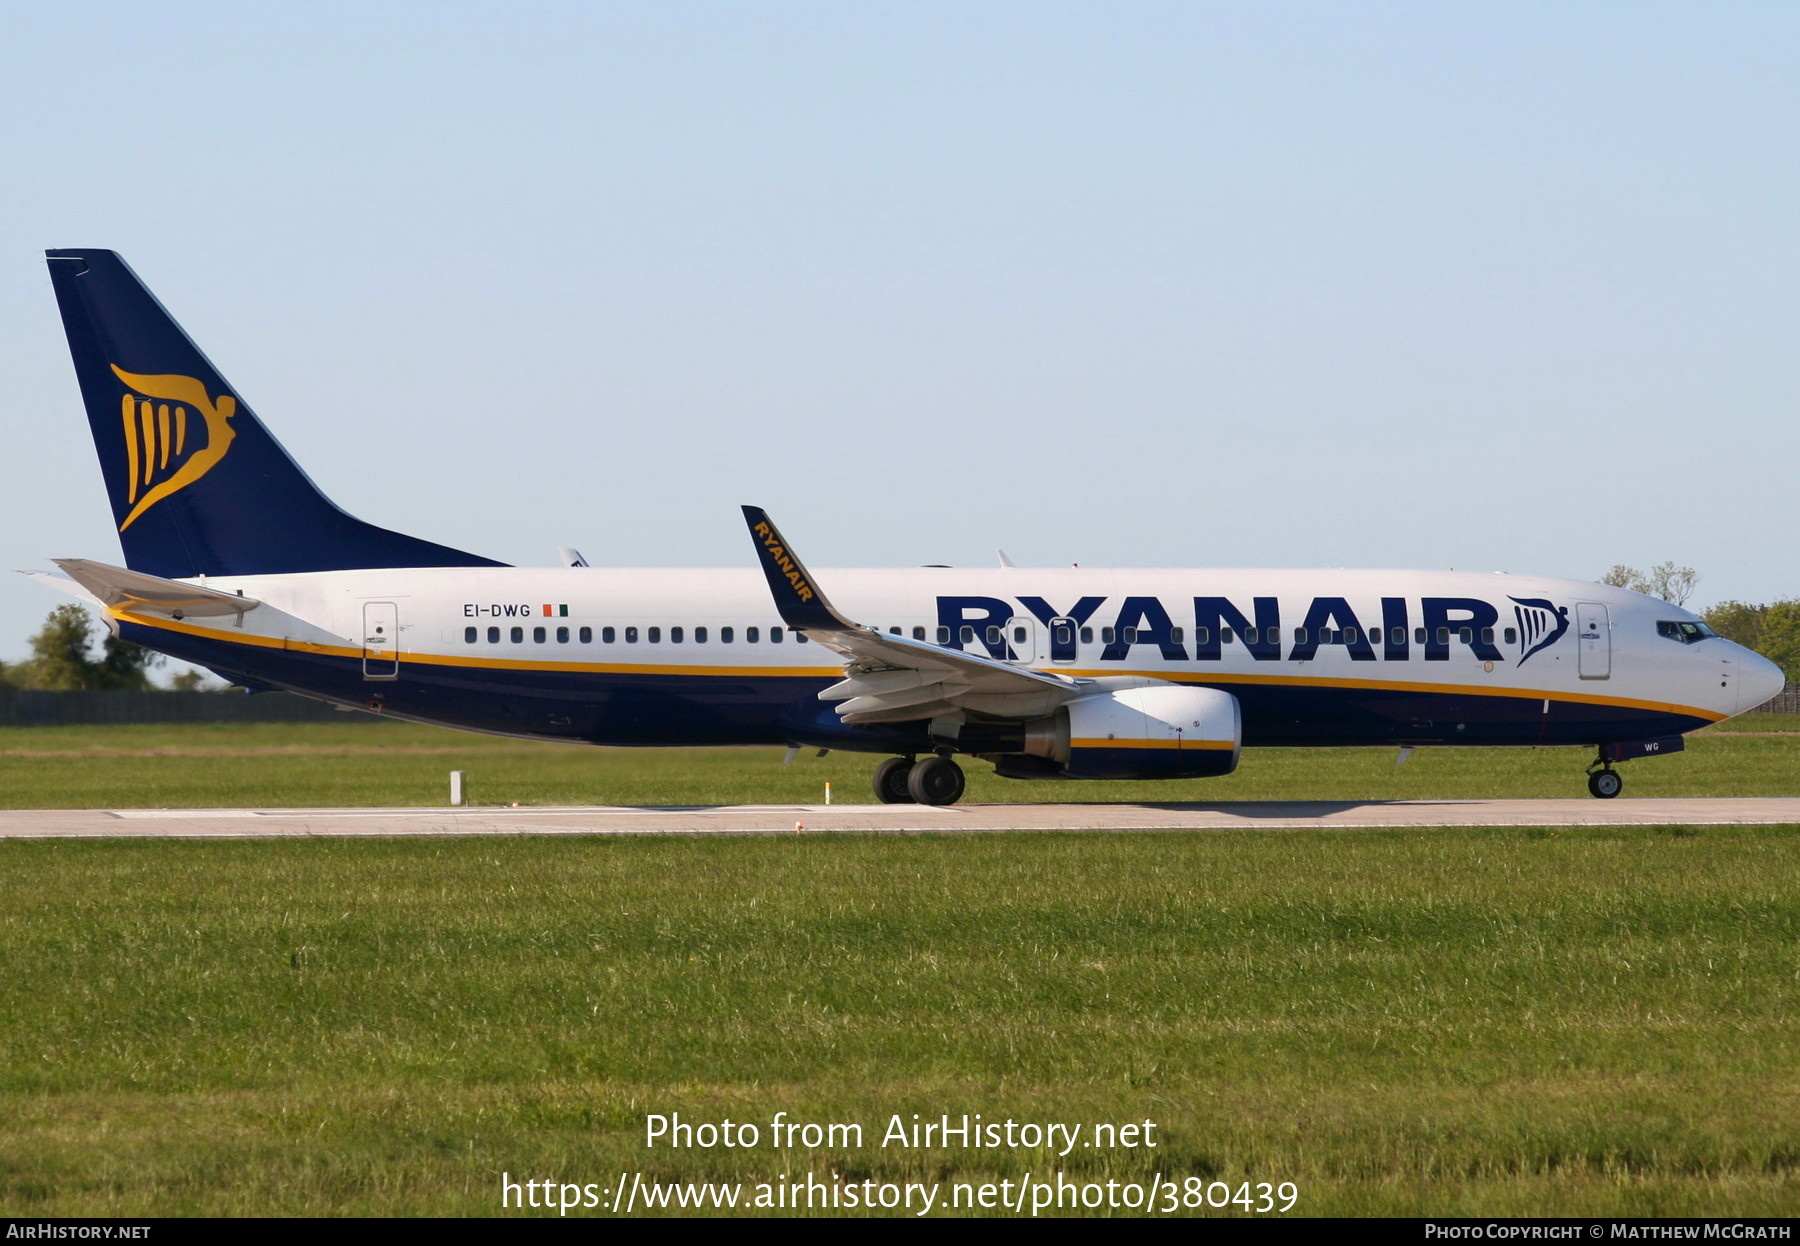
<point>163,455</point>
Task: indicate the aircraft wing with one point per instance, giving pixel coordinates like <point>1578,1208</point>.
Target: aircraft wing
<point>151,594</point>
<point>891,678</point>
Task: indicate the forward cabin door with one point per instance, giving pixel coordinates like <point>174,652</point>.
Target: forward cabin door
<point>381,640</point>
<point>1596,640</point>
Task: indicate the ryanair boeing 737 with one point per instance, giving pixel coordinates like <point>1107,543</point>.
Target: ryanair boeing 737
<point>236,562</point>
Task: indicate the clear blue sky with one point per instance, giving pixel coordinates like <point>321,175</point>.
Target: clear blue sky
<point>1502,286</point>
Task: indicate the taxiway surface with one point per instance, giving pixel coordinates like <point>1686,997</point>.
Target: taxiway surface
<point>885,819</point>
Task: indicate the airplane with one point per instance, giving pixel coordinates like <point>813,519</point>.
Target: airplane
<point>236,562</point>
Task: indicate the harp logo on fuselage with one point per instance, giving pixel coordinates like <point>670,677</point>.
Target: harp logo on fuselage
<point>174,434</point>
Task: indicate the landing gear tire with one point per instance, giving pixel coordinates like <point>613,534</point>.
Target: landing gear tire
<point>890,781</point>
<point>1605,784</point>
<point>936,781</point>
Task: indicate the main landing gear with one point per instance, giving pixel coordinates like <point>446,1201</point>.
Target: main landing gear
<point>929,781</point>
<point>1603,781</point>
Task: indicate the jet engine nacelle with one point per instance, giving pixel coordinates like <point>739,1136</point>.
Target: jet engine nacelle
<point>1162,731</point>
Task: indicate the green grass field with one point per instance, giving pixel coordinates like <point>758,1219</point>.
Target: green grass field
<point>1446,1022</point>
<point>1457,1022</point>
<point>385,763</point>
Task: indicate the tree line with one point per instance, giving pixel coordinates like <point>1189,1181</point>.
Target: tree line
<point>63,659</point>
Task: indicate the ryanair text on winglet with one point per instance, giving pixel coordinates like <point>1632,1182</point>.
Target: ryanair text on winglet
<point>779,557</point>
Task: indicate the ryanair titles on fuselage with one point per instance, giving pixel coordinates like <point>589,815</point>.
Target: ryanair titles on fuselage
<point>1535,625</point>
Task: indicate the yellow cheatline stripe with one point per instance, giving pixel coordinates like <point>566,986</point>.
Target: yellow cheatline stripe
<point>1222,745</point>
<point>836,672</point>
<point>503,664</point>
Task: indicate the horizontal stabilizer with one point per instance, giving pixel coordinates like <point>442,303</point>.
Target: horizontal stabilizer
<point>136,591</point>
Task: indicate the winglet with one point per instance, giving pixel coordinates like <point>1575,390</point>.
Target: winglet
<point>797,595</point>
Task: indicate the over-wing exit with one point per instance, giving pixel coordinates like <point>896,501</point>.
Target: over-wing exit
<point>235,561</point>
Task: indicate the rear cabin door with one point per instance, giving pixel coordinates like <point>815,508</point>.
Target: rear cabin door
<point>381,640</point>
<point>1595,639</point>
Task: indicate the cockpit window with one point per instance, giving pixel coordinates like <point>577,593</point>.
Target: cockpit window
<point>1687,633</point>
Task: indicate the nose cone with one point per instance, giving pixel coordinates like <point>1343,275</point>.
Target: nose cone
<point>1759,679</point>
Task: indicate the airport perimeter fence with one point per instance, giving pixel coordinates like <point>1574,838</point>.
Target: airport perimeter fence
<point>87,709</point>
<point>82,709</point>
<point>1787,702</point>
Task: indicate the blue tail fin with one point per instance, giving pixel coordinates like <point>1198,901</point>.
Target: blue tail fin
<point>198,485</point>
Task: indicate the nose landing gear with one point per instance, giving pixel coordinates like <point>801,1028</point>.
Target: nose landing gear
<point>1605,782</point>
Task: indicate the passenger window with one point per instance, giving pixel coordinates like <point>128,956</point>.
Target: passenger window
<point>1130,635</point>
<point>799,637</point>
<point>968,635</point>
<point>493,635</point>
<point>774,635</point>
<point>1018,635</point>
<point>943,635</point>
<point>1396,636</point>
<point>918,633</point>
<point>1443,636</point>
<point>1252,635</point>
<point>1512,635</point>
<point>725,635</point>
<point>1106,635</point>
<point>1175,635</point>
<point>518,635</point>
<point>654,635</point>
<point>1487,635</point>
<point>1226,635</point>
<point>1299,635</point>
<point>699,635</point>
<point>1466,635</point>
<point>1352,636</point>
<point>562,635</point>
<point>675,635</point>
<point>607,635</point>
<point>1202,635</point>
<point>586,635</point>
<point>1419,636</point>
<point>752,635</point>
<point>631,635</point>
<point>893,631</point>
<point>1087,635</point>
<point>469,635</point>
<point>538,635</point>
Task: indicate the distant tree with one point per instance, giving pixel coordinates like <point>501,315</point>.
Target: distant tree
<point>62,657</point>
<point>1780,639</point>
<point>192,680</point>
<point>1772,630</point>
<point>1671,583</point>
<point>1738,621</point>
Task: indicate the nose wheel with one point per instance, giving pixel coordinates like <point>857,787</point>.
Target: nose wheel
<point>1603,781</point>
